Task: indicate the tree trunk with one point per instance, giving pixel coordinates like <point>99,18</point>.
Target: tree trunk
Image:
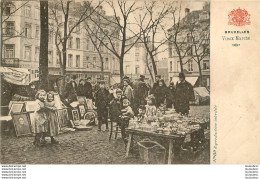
<point>43,62</point>
<point>102,65</point>
<point>154,64</point>
<point>121,60</point>
<point>200,77</point>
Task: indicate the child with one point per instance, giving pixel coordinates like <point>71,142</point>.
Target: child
<point>150,107</point>
<point>127,114</point>
<point>52,117</point>
<point>141,113</point>
<point>41,123</point>
<point>115,106</point>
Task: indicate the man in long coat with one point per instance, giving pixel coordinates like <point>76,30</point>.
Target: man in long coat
<point>140,93</point>
<point>102,104</point>
<point>183,94</point>
<point>70,93</point>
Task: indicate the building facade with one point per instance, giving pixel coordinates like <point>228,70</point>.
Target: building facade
<point>197,46</point>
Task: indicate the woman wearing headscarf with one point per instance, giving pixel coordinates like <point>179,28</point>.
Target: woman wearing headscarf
<point>170,95</point>
<point>160,93</point>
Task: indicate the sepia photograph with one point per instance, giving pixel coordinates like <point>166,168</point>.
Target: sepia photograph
<point>137,70</point>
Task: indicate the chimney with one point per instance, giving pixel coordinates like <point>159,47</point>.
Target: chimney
<point>187,11</point>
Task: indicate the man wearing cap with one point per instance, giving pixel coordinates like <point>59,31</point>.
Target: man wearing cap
<point>183,94</point>
<point>156,84</point>
<point>102,103</point>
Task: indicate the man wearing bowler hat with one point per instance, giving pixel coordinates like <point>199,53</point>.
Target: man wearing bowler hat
<point>183,94</point>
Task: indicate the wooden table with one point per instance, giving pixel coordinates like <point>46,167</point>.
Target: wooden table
<point>170,139</point>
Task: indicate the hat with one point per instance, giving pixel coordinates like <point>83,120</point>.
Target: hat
<point>142,76</point>
<point>159,76</point>
<point>127,80</point>
<point>101,82</point>
<point>88,78</point>
<point>181,75</point>
<point>118,90</point>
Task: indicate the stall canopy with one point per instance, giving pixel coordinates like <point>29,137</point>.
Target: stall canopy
<point>17,76</point>
<point>191,79</point>
<point>201,95</point>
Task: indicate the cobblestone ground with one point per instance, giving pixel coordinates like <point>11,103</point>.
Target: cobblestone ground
<point>81,147</point>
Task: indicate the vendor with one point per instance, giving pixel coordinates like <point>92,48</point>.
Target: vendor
<point>183,94</point>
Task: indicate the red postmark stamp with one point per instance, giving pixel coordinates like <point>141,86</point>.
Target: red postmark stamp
<point>239,17</point>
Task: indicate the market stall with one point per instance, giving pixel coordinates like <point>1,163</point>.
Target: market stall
<point>167,125</point>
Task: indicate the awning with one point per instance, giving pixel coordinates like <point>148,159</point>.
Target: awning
<point>17,76</point>
<point>191,79</point>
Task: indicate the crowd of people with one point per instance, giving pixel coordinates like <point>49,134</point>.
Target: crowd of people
<point>119,104</point>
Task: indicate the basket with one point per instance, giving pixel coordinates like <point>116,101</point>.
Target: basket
<point>151,152</point>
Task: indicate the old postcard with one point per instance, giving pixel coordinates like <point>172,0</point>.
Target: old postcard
<point>130,82</point>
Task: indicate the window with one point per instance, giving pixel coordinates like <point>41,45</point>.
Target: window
<point>37,54</point>
<point>70,44</point>
<point>78,43</point>
<point>87,61</point>
<point>37,32</point>
<point>189,52</point>
<point>50,57</point>
<point>137,50</point>
<point>94,62</point>
<point>70,61</point>
<point>77,61</point>
<point>7,10</point>
<point>205,49</point>
<point>101,48</point>
<point>137,70</point>
<point>106,47</point>
<point>137,59</point>
<point>37,13</point>
<point>57,58</point>
<point>9,51</point>
<point>27,30</point>
<point>190,65</point>
<point>178,67</point>
<point>205,64</point>
<point>170,65</point>
<point>106,64</point>
<point>27,53</point>
<point>9,29</point>
<point>27,11</point>
<point>87,45</point>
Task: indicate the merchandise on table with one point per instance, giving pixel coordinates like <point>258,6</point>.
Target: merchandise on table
<point>168,123</point>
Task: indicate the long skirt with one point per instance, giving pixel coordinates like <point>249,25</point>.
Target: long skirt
<point>53,124</point>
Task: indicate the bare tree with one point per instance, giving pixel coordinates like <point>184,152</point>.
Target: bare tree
<point>150,27</point>
<point>60,13</point>
<point>120,35</point>
<point>93,32</point>
<point>176,36</point>
<point>199,34</point>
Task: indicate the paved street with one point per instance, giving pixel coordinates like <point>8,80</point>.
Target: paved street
<point>80,147</point>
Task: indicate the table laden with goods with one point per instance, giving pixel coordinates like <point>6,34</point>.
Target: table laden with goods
<point>166,124</point>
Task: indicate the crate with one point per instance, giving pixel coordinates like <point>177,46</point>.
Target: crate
<point>152,152</point>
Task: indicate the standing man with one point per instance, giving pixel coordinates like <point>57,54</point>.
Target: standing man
<point>140,93</point>
<point>89,91</point>
<point>156,84</point>
<point>102,103</point>
<point>183,94</point>
<point>70,93</point>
